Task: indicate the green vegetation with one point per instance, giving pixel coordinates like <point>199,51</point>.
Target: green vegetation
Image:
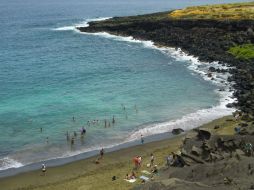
<point>219,12</point>
<point>222,12</point>
<point>245,51</point>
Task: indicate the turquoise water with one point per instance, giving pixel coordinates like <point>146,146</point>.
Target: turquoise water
<point>49,76</point>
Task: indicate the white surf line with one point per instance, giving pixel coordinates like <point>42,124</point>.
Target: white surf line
<point>191,120</point>
<point>81,24</point>
<point>186,122</point>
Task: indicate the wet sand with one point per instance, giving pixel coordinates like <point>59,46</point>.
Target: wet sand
<point>85,174</point>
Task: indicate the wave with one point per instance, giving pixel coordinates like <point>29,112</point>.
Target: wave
<point>81,24</point>
<point>7,163</point>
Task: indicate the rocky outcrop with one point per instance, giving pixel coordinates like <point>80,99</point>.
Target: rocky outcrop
<point>177,131</point>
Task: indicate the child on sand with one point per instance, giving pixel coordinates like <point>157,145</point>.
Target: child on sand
<point>43,169</point>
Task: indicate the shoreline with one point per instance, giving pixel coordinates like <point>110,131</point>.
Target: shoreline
<point>162,127</point>
<point>118,161</point>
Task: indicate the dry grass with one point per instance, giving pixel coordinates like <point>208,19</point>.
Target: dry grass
<point>222,12</point>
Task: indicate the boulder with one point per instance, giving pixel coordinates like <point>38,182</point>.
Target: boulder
<point>216,127</point>
<point>204,134</point>
<point>177,131</point>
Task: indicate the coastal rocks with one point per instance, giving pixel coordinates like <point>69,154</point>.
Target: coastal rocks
<point>177,131</point>
<point>196,151</point>
<point>203,134</point>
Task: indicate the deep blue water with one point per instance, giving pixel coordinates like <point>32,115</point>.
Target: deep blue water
<point>48,76</point>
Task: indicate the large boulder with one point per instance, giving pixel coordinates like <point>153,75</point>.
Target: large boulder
<point>204,134</point>
<point>177,131</point>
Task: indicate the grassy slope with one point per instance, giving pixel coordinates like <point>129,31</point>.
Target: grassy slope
<point>224,11</point>
<point>245,51</point>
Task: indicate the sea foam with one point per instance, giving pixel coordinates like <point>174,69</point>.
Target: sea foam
<point>191,120</point>
<point>81,24</point>
<point>6,163</point>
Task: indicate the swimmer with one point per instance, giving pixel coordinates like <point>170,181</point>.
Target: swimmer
<point>113,120</point>
<point>105,123</point>
<point>72,141</point>
<point>83,130</point>
<point>67,136</point>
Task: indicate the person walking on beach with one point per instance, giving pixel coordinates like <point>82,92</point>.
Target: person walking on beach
<point>151,160</point>
<point>43,169</point>
<point>142,139</point>
<point>101,153</point>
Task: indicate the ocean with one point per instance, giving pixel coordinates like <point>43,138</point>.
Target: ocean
<point>55,80</point>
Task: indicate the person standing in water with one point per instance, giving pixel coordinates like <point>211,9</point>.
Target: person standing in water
<point>136,109</point>
<point>105,123</point>
<point>73,118</point>
<point>67,136</point>
<point>72,141</point>
<point>113,120</point>
<point>142,139</point>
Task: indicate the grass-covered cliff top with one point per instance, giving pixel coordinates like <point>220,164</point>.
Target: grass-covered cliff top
<point>224,11</point>
<point>245,51</point>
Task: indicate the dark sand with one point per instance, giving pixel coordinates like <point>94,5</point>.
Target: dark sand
<point>85,174</point>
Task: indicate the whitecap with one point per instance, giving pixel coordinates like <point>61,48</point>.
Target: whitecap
<point>6,163</point>
<point>81,24</point>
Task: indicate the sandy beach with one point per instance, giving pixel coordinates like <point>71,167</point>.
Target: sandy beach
<point>85,174</point>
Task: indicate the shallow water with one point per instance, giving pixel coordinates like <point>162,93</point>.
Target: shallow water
<point>50,73</point>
